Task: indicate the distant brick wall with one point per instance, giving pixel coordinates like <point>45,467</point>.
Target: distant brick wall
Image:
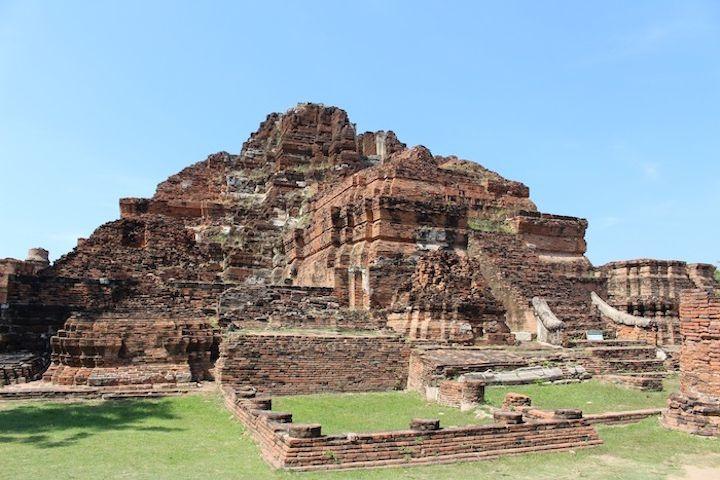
<point>651,289</point>
<point>648,335</point>
<point>287,364</point>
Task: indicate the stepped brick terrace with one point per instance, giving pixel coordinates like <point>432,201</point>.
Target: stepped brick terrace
<point>320,259</point>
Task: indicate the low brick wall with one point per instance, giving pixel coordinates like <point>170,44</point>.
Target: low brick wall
<point>605,418</point>
<point>648,335</point>
<point>292,364</point>
<point>519,403</point>
<point>277,437</point>
<point>622,418</point>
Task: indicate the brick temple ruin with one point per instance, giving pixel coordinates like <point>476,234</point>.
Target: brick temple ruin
<point>323,260</point>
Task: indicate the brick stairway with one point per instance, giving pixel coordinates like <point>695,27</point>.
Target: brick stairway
<point>516,274</point>
<point>621,357</point>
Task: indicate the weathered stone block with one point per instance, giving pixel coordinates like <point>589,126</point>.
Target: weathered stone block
<point>568,413</point>
<point>305,430</point>
<point>424,424</point>
<point>508,417</point>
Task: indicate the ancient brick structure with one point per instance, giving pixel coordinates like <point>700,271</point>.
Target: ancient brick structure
<point>650,289</point>
<point>446,298</point>
<point>364,235</point>
<point>323,260</point>
<point>14,335</point>
<point>552,235</point>
<point>113,349</point>
<point>312,238</point>
<point>19,367</point>
<point>517,273</point>
<point>34,306</point>
<point>696,408</point>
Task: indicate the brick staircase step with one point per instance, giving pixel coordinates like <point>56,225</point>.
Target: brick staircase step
<point>631,352</point>
<point>641,365</point>
<point>608,343</point>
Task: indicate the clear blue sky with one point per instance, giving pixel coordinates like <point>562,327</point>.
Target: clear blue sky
<point>609,110</point>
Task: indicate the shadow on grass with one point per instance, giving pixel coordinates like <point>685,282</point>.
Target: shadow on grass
<point>58,425</point>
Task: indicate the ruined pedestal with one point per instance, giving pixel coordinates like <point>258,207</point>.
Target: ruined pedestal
<point>109,350</point>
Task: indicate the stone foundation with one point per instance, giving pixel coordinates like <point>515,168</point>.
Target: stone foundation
<point>44,391</point>
<point>279,307</point>
<point>432,366</point>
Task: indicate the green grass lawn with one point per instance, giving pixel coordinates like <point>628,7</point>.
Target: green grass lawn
<point>194,437</point>
<point>369,412</point>
<point>591,396</point>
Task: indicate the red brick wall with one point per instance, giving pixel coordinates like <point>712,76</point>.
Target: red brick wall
<point>700,352</point>
<point>290,364</point>
<point>695,408</point>
<point>516,274</point>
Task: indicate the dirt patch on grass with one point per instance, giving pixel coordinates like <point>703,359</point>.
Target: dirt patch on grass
<point>692,472</point>
<point>699,467</point>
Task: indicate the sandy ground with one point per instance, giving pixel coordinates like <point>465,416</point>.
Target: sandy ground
<point>692,472</point>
